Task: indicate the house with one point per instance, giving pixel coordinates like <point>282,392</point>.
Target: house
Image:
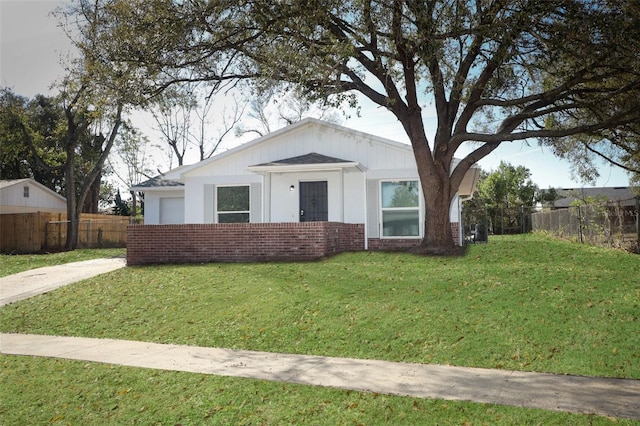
<point>619,194</point>
<point>28,196</point>
<point>621,203</point>
<point>605,215</point>
<point>309,172</point>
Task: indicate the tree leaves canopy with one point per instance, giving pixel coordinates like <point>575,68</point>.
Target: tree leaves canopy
<point>495,70</point>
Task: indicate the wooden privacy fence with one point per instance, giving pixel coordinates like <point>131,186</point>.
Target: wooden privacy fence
<point>36,232</point>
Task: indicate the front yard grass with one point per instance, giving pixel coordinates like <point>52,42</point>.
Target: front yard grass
<point>528,303</point>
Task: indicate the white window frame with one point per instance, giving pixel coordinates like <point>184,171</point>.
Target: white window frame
<point>418,207</point>
<point>217,212</point>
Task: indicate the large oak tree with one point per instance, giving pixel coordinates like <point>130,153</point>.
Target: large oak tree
<point>497,71</point>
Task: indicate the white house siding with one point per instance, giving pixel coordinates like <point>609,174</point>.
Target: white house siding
<point>354,196</point>
<point>200,191</point>
<point>303,140</point>
<point>354,192</point>
<point>346,187</point>
<point>40,198</point>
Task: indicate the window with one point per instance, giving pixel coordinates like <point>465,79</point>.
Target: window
<point>25,192</point>
<point>400,208</point>
<point>233,204</point>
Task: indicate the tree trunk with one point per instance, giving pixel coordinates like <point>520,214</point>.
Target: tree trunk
<point>435,181</point>
<point>134,204</point>
<point>92,200</point>
<point>73,217</point>
<point>438,238</point>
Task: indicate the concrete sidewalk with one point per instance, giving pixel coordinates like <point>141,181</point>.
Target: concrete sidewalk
<point>41,280</point>
<point>591,395</point>
<point>602,396</point>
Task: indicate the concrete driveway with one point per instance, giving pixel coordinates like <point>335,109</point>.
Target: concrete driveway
<point>41,280</point>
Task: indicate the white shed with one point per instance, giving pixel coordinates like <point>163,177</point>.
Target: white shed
<point>29,196</point>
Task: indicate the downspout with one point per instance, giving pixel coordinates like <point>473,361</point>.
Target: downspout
<point>366,212</point>
<point>266,186</point>
<point>460,223</point>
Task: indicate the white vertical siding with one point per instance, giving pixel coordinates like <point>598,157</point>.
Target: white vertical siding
<point>13,200</point>
<point>353,196</point>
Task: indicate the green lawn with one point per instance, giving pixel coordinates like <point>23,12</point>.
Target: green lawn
<point>527,303</point>
<point>38,391</point>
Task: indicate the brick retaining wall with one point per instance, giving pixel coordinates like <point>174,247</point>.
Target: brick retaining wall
<point>393,244</point>
<point>240,242</point>
<point>251,242</point>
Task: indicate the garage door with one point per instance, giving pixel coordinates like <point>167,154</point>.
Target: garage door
<point>171,210</point>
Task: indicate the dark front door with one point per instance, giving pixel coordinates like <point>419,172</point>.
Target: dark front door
<point>313,202</point>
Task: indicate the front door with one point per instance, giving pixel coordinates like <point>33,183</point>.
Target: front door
<point>314,202</point>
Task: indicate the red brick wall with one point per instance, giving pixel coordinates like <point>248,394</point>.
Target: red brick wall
<point>240,242</point>
<point>407,243</point>
<point>392,244</point>
<point>455,233</point>
<point>251,242</point>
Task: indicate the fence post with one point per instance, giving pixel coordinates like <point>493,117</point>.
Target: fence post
<point>638,224</point>
<point>46,235</point>
<point>580,223</point>
<point>59,229</point>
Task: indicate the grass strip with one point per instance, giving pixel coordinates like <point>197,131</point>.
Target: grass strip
<point>50,391</point>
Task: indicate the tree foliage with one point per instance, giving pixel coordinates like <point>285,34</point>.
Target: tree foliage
<point>502,194</point>
<point>273,107</point>
<point>34,136</point>
<point>39,118</point>
<point>120,208</point>
<point>496,71</point>
<point>507,186</point>
<point>185,113</point>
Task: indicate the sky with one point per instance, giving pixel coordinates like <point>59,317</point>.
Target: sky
<point>31,45</point>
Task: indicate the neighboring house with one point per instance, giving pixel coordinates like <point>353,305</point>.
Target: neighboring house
<point>619,194</point>
<point>28,196</point>
<point>621,202</point>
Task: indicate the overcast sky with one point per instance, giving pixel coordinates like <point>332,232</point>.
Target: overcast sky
<point>31,45</point>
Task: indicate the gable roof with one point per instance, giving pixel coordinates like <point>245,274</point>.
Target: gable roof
<point>313,160</point>
<point>174,179</point>
<point>157,182</point>
<point>294,127</point>
<point>168,180</point>
<point>15,199</point>
<point>7,183</point>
